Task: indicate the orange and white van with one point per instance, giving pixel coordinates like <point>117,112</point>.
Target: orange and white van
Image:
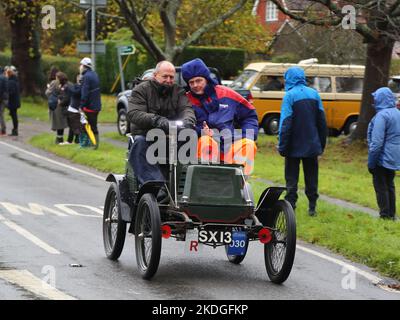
<point>340,88</point>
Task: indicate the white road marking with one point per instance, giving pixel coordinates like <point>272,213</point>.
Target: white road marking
<point>66,208</point>
<point>28,281</point>
<point>25,233</point>
<point>374,279</point>
<point>33,208</point>
<point>53,162</point>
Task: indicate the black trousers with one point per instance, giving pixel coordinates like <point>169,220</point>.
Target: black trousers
<point>310,170</point>
<point>14,117</point>
<point>383,180</point>
<point>92,119</point>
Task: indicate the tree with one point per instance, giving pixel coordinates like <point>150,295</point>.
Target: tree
<point>378,22</point>
<point>139,13</point>
<point>23,16</point>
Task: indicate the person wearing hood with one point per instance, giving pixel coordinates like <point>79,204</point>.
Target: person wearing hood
<point>90,95</point>
<point>384,150</point>
<point>219,111</point>
<point>302,136</point>
<point>152,104</point>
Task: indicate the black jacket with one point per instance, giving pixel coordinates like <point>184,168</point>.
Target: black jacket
<point>148,101</point>
<point>75,94</point>
<point>90,92</point>
<point>3,88</point>
<point>14,100</point>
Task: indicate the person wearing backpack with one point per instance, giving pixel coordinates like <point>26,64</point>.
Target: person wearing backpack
<point>57,114</point>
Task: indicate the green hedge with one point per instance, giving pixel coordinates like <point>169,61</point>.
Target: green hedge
<point>229,61</point>
<point>108,69</point>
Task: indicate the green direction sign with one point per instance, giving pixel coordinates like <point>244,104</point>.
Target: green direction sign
<point>127,50</point>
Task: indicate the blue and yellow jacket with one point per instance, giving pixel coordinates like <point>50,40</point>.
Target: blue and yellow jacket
<point>229,110</point>
<point>302,127</point>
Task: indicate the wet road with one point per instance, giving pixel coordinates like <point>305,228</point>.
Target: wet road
<point>51,248</point>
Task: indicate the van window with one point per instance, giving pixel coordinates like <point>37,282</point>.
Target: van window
<point>269,83</point>
<point>349,85</point>
<point>244,80</point>
<point>321,84</point>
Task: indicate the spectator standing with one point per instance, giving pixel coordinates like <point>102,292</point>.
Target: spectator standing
<point>52,93</point>
<point>302,136</point>
<point>3,101</point>
<point>384,150</point>
<point>90,95</point>
<point>73,114</point>
<point>14,98</point>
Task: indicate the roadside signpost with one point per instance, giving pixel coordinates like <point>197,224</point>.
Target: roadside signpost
<point>124,51</point>
<point>95,47</point>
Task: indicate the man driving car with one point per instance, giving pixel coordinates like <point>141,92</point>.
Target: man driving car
<point>152,104</point>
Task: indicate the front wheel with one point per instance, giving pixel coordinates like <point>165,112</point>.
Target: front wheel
<point>236,259</point>
<point>114,228</point>
<point>148,236</point>
<point>280,251</point>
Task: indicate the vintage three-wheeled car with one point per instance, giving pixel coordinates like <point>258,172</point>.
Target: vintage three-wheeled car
<point>215,200</point>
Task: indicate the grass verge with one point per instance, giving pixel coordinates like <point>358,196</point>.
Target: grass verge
<point>36,108</point>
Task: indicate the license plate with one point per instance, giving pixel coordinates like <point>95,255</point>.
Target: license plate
<point>215,237</point>
<point>238,245</point>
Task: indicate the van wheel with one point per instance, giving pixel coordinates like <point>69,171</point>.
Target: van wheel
<point>350,126</point>
<point>271,125</point>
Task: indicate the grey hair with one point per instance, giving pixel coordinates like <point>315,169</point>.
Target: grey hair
<point>158,66</point>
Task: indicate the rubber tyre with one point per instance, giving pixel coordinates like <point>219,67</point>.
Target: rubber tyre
<point>271,125</point>
<point>114,228</point>
<point>279,265</point>
<point>234,258</point>
<point>122,123</point>
<point>148,227</point>
<point>350,126</point>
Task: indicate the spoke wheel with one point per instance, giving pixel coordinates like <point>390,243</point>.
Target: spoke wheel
<point>148,236</point>
<point>280,251</point>
<point>114,229</point>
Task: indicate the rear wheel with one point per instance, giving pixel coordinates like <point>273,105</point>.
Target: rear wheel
<point>280,251</point>
<point>114,228</point>
<point>271,124</point>
<point>122,123</point>
<point>148,236</point>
